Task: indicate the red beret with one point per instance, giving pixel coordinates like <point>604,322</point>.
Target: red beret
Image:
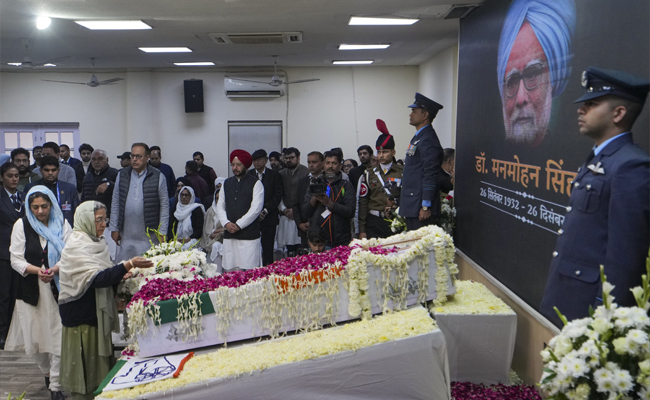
<point>242,156</point>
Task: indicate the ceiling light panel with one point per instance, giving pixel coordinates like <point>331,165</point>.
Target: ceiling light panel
<point>43,22</point>
<point>194,64</point>
<point>363,46</point>
<point>355,62</point>
<point>381,21</point>
<point>165,49</point>
<point>113,25</point>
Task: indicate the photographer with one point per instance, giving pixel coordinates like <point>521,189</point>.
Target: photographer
<point>331,204</point>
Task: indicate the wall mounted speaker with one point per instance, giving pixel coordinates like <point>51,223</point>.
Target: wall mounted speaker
<point>193,95</point>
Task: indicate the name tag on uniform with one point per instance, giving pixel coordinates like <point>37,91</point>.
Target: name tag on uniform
<point>66,207</point>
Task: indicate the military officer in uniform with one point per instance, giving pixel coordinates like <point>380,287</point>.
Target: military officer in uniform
<point>606,222</point>
<point>420,201</point>
<point>380,190</point>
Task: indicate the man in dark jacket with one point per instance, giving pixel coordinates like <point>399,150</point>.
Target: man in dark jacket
<point>165,169</point>
<point>207,173</point>
<point>315,163</point>
<point>334,209</point>
<point>66,193</point>
<point>82,168</point>
<point>269,217</point>
<point>420,199</point>
<point>99,182</point>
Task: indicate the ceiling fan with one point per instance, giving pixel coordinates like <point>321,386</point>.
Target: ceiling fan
<point>276,80</point>
<point>27,62</point>
<point>94,82</point>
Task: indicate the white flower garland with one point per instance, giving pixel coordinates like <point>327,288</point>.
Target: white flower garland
<point>426,239</point>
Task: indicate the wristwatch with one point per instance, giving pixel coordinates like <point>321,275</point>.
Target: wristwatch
<point>425,208</point>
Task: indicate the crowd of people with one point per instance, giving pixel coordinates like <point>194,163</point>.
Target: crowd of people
<point>72,228</point>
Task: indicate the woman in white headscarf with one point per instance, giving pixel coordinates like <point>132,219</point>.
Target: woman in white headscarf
<point>212,239</point>
<point>188,218</point>
<point>37,241</point>
<point>87,301</point>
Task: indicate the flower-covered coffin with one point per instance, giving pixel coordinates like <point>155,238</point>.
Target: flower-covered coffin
<point>306,292</point>
<point>354,361</point>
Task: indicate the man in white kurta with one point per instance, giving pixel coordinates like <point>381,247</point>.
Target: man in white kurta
<point>239,209</point>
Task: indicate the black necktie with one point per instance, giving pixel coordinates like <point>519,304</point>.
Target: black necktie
<point>590,156</point>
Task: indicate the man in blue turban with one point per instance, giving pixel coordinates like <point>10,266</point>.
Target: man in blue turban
<point>533,65</point>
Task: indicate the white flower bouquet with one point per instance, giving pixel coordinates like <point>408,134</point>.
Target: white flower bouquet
<point>603,356</point>
<point>170,262</point>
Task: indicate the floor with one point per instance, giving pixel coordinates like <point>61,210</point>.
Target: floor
<point>18,373</point>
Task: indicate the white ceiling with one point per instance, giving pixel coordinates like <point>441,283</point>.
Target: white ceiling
<point>188,23</point>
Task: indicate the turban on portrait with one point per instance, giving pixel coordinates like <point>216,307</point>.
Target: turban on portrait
<point>242,156</point>
<point>553,22</point>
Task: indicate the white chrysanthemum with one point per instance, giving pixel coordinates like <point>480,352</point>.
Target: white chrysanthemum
<point>577,366</point>
<point>638,336</point>
<point>604,313</point>
<point>623,318</point>
<point>623,380</point>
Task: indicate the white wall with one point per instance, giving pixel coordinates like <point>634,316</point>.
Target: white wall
<point>438,80</point>
<point>339,110</point>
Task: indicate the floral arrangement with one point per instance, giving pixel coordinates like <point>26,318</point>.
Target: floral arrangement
<point>302,292</point>
<point>423,240</point>
<point>397,222</point>
<point>233,362</point>
<point>603,356</point>
<point>170,263</point>
<point>473,391</point>
<point>472,298</point>
<point>447,215</point>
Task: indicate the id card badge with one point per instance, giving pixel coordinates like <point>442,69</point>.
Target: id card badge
<point>326,214</point>
<point>66,207</point>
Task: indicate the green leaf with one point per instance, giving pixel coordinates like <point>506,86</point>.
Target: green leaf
<point>591,311</point>
<point>562,317</point>
<point>549,378</point>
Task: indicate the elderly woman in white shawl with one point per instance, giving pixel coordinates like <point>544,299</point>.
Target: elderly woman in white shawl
<point>212,239</point>
<point>87,301</point>
<point>188,218</point>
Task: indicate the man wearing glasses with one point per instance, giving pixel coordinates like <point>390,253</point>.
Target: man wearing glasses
<point>533,65</point>
<point>20,157</point>
<point>139,202</point>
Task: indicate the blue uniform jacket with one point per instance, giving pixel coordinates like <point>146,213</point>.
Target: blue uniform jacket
<point>421,171</point>
<point>606,223</point>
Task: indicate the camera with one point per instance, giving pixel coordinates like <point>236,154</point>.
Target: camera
<point>318,185</point>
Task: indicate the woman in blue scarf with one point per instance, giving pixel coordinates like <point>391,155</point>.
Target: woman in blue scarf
<point>37,241</point>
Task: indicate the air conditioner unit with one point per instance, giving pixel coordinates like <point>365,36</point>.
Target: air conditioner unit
<point>241,86</point>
